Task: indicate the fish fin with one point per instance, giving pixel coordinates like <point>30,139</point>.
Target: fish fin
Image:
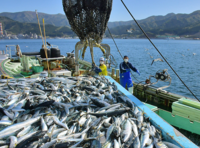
<point>143,111</point>
<point>99,136</point>
<point>147,119</point>
<point>7,82</point>
<point>50,114</point>
<point>50,134</point>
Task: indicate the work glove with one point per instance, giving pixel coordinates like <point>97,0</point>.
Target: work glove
<point>96,69</point>
<point>138,72</point>
<point>128,70</point>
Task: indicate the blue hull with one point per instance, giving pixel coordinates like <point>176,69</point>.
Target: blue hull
<point>169,133</point>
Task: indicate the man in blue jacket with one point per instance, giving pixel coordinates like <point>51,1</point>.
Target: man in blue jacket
<point>125,74</point>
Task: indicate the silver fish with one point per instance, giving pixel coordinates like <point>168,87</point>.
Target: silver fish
<point>11,129</point>
<point>144,137</point>
<point>126,131</point>
<point>13,141</point>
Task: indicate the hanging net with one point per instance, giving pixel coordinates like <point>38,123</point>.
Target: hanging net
<point>88,18</point>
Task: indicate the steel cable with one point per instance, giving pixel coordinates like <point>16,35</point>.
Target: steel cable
<point>120,53</point>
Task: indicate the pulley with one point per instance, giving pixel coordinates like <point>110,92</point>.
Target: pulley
<point>162,75</point>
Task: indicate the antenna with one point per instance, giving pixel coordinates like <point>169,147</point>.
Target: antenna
<point>1,29</point>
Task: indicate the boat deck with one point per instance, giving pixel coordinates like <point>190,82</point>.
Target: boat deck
<point>152,107</point>
<point>167,129</point>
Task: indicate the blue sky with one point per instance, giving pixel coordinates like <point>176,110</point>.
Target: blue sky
<point>139,8</point>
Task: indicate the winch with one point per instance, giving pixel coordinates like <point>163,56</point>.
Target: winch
<point>161,75</point>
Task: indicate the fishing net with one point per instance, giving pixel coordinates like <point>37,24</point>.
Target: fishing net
<point>88,18</point>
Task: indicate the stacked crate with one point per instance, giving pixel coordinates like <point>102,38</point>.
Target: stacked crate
<point>187,108</point>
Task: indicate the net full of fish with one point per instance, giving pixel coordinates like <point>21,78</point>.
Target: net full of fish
<point>58,112</point>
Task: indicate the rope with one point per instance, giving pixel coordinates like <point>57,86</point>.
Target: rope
<point>120,53</point>
<point>81,51</point>
<point>158,50</point>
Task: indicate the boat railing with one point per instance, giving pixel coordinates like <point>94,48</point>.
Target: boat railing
<point>9,50</point>
<point>54,46</point>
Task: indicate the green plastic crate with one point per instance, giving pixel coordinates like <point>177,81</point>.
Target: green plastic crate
<point>26,73</point>
<point>37,69</point>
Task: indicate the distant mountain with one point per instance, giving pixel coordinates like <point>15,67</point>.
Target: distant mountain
<point>30,17</point>
<point>151,22</point>
<point>53,19</point>
<point>179,24</point>
<point>16,27</point>
<point>149,19</point>
<point>158,21</point>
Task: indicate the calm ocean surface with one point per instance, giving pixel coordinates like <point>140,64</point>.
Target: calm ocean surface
<point>187,66</point>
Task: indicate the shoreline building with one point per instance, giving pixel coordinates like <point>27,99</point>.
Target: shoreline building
<point>1,29</point>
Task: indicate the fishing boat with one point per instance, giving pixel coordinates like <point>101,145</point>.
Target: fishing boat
<point>163,108</point>
<point>13,68</point>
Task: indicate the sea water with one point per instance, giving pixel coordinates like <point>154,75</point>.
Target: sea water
<point>179,54</point>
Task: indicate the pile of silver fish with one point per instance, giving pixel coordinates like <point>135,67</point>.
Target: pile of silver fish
<point>60,112</point>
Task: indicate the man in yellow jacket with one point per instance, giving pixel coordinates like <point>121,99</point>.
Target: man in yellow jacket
<point>102,69</point>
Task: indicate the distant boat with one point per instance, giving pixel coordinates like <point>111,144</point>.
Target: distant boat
<point>58,38</point>
<point>170,38</point>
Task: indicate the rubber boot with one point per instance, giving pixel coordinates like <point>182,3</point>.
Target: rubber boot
<point>130,89</point>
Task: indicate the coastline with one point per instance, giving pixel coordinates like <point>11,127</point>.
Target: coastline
<point>108,38</point>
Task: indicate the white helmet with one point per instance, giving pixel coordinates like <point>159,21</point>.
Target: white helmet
<point>101,59</point>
